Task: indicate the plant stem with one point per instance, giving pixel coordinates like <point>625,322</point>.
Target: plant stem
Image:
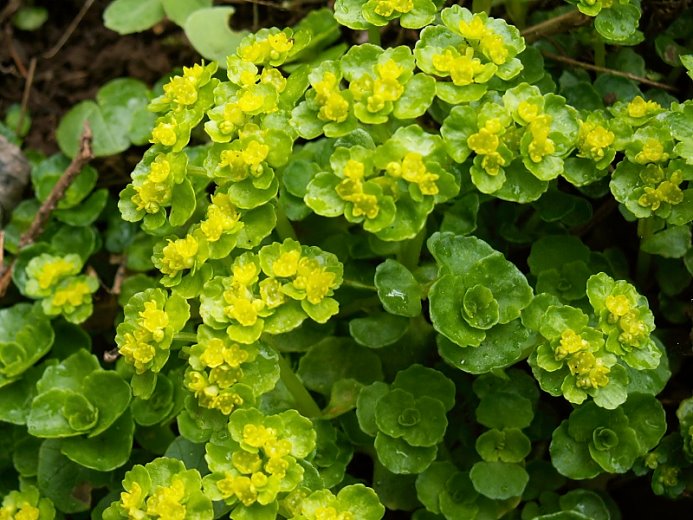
<point>374,35</point>
<point>410,250</point>
<point>189,337</point>
<point>197,170</point>
<point>555,25</point>
<point>283,227</point>
<point>305,404</point>
<point>79,161</point>
<point>355,284</point>
<point>604,70</point>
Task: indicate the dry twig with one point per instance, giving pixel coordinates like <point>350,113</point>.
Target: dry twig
<point>68,32</point>
<point>43,214</point>
<point>555,25</point>
<point>604,70</point>
<point>26,94</point>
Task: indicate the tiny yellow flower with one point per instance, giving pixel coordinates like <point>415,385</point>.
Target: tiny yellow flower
<point>246,462</point>
<point>55,270</point>
<point>286,264</point>
<point>154,320</point>
<point>652,151</point>
<point>280,43</point>
<point>179,254</point>
<point>251,101</point>
<point>483,142</point>
<point>164,134</point>
<point>181,90</point>
<point>165,501</point>
<point>571,342</point>
<point>638,107</point>
<point>73,295</point>
<point>314,280</point>
<point>593,139</point>
<point>335,108</point>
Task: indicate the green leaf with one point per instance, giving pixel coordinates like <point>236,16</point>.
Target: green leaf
<point>378,330</point>
<point>672,242</point>
<point>71,126</point>
<point>398,290</point>
<point>646,416</point>
<point>572,459</point>
<point>209,33</point>
<point>508,445</point>
<point>179,10</point>
<point>332,360</point>
<point>420,422</point>
<point>24,338</point>
<point>423,381</point>
<point>190,453</point>
<point>401,458</point>
<point>365,406</point>
<point>505,410</point>
<point>63,481</point>
<point>446,296</point>
<point>499,480</point>
<point>183,203</point>
<point>29,18</point>
<point>87,212</point>
<point>619,22</point>
<point>502,346</point>
<point>105,452</point>
<point>129,16</point>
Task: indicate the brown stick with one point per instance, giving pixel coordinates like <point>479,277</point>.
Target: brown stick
<point>25,95</point>
<point>84,155</point>
<point>555,25</point>
<point>68,32</point>
<point>80,160</point>
<point>604,70</point>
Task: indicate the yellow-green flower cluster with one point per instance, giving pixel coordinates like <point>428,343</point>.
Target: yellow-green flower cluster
<point>660,187</point>
<point>590,371</point>
<point>55,280</point>
<point>626,319</point>
<point>222,218</point>
<point>272,291</point>
<point>163,489</point>
<point>354,502</point>
<point>26,504</point>
<point>573,354</point>
<point>259,461</point>
<point>151,319</point>
<point>185,100</point>
<point>225,375</point>
<point>267,47</point>
<point>247,97</point>
<point>470,49</point>
<point>596,140</point>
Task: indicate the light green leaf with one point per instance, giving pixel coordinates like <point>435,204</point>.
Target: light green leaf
<point>209,32</point>
<point>129,16</point>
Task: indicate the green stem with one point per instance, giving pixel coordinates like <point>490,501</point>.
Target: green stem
<point>197,170</point>
<point>410,250</point>
<point>305,404</point>
<point>283,227</point>
<point>189,337</point>
<point>355,284</point>
<point>374,35</point>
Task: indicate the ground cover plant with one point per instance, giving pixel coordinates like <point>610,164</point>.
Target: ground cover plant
<point>397,259</point>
